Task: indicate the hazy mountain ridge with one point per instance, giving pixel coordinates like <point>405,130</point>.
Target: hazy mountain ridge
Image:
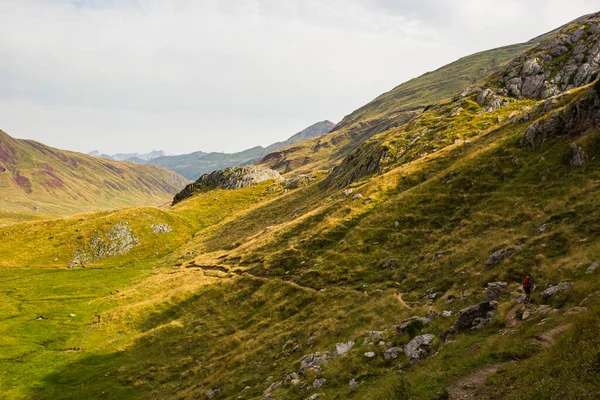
<point>132,157</point>
<point>196,164</point>
<point>38,178</point>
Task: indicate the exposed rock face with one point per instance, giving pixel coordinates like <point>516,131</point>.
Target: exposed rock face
<point>576,157</point>
<point>364,161</point>
<point>494,291</point>
<point>590,299</point>
<point>554,290</point>
<point>114,241</point>
<point>229,178</point>
<point>342,348</point>
<point>576,119</point>
<point>375,335</point>
<point>476,316</point>
<point>313,362</point>
<point>497,257</point>
<point>317,383</point>
<point>565,61</point>
<point>414,349</point>
<point>490,100</point>
<point>392,353</point>
<point>161,228</point>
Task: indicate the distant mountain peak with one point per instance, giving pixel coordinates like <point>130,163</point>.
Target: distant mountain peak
<point>195,164</point>
<point>132,157</point>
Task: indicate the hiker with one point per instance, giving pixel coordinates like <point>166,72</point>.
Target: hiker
<point>528,286</point>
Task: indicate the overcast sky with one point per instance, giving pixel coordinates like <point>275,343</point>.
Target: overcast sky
<point>225,75</point>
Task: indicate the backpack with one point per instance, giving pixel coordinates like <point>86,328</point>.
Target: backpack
<point>527,281</point>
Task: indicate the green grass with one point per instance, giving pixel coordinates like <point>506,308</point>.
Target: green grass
<point>230,298</point>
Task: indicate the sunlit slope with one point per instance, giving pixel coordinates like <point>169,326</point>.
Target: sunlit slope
<point>35,178</point>
<point>240,296</point>
<point>391,109</point>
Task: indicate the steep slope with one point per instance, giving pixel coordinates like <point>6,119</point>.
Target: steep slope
<point>561,62</point>
<point>195,164</point>
<point>391,109</point>
<point>35,178</point>
<point>403,282</point>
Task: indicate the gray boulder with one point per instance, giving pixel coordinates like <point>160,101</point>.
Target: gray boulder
<point>342,348</point>
<point>391,263</point>
<point>319,382</point>
<point>313,362</point>
<point>577,157</point>
<point>494,291</point>
<point>392,353</point>
<point>414,349</point>
<point>554,290</point>
<point>593,267</point>
<point>590,299</point>
<point>476,316</point>
<point>497,257</point>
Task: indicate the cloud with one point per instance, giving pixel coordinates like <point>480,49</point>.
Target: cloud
<point>183,75</point>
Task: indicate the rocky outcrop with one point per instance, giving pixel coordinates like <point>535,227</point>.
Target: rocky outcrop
<point>414,349</point>
<point>593,267</point>
<point>342,348</point>
<point>490,101</point>
<point>554,290</point>
<point>392,353</point>
<point>314,362</point>
<point>497,257</point>
<point>476,316</point>
<point>494,291</point>
<point>567,60</point>
<point>229,178</point>
<point>576,157</point>
<point>114,241</point>
<point>576,119</point>
<point>364,161</point>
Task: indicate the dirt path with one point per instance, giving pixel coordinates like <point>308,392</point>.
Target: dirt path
<point>511,316</point>
<point>466,387</point>
<point>547,338</point>
<point>401,300</point>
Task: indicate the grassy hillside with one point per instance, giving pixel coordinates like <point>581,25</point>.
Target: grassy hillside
<point>36,179</point>
<point>391,109</point>
<point>270,292</point>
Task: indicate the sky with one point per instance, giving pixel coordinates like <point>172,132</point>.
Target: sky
<point>226,75</point>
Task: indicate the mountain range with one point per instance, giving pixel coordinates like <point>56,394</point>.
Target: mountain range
<point>132,157</point>
<point>384,260</point>
<point>193,165</point>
